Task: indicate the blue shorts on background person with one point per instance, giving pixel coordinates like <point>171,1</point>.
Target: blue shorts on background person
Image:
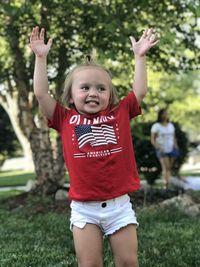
<point>175,153</point>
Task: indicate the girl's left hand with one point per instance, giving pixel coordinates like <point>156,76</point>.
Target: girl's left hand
<point>146,41</point>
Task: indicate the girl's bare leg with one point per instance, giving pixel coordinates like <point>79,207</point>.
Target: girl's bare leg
<point>166,170</point>
<point>124,246</point>
<point>88,246</point>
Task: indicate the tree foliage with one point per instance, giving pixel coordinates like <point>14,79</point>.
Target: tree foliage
<point>180,94</point>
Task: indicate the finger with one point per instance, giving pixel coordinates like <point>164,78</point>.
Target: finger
<point>35,33</point>
<point>155,43</point>
<point>144,34</point>
<point>32,37</point>
<point>152,38</point>
<point>149,33</point>
<point>42,33</point>
<point>133,41</point>
<point>49,43</point>
<point>30,47</point>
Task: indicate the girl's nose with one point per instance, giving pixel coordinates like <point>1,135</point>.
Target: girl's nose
<point>93,92</point>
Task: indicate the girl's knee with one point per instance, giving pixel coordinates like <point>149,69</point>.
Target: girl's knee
<point>128,262</point>
<point>89,263</point>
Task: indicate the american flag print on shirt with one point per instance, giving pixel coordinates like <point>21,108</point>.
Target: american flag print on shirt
<point>95,135</point>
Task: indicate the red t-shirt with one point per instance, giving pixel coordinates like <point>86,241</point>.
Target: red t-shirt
<point>98,150</point>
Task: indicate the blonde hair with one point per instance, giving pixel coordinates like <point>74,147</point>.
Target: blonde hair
<point>66,96</point>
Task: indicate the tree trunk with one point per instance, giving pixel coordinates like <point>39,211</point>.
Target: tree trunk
<point>49,175</point>
<point>27,119</point>
<point>33,135</point>
<point>49,165</point>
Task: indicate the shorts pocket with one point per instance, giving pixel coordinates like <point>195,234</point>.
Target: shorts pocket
<point>124,201</point>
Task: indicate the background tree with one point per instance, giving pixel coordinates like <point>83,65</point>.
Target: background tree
<point>79,27</point>
<point>180,94</point>
<point>9,146</point>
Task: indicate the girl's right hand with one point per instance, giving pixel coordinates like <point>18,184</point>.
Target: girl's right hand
<point>37,42</point>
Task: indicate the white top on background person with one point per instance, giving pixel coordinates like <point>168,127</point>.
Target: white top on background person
<point>164,136</point>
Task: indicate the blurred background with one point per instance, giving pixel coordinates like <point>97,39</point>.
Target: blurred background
<point>101,28</point>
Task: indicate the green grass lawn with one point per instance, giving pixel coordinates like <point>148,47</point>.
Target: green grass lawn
<point>185,173</point>
<point>167,238</point>
<point>34,235</point>
<point>15,178</point>
<point>9,193</point>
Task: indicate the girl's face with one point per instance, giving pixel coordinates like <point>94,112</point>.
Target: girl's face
<point>90,92</point>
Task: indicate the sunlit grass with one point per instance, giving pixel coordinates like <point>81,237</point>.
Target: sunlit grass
<point>14,178</point>
<point>186,173</point>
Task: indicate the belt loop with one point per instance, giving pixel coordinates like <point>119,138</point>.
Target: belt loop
<point>116,201</point>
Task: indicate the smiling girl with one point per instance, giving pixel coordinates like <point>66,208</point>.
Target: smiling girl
<point>95,131</point>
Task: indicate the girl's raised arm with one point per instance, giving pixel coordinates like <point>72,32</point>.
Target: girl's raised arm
<point>40,79</point>
<point>140,48</point>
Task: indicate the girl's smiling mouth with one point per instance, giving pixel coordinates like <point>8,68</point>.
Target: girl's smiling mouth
<point>92,102</point>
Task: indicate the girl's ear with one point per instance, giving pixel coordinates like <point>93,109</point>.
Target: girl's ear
<point>71,101</point>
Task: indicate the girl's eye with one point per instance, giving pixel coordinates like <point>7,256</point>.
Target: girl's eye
<point>101,89</point>
<point>85,88</point>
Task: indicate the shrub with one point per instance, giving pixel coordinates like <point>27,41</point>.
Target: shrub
<point>9,144</point>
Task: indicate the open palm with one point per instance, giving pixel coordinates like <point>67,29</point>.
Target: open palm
<point>37,42</point>
<point>146,41</point>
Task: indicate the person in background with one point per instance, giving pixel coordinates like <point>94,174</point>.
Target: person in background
<point>163,138</point>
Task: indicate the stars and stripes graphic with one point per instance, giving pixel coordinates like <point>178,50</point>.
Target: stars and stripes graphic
<point>95,135</point>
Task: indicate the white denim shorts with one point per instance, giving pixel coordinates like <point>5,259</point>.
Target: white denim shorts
<point>109,215</point>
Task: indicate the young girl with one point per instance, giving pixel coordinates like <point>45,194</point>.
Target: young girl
<point>97,146</point>
<point>163,138</point>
